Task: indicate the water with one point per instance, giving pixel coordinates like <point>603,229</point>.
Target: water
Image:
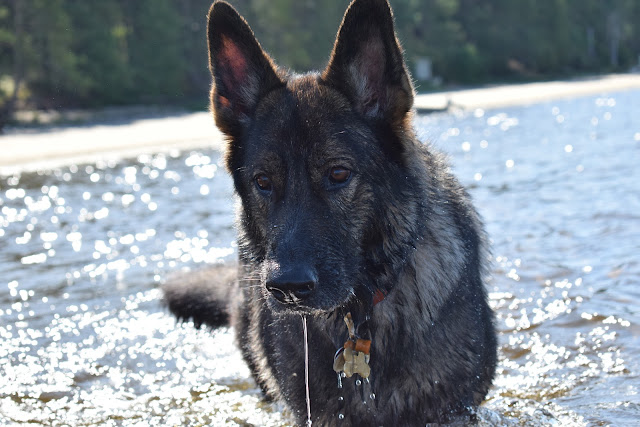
<point>85,340</point>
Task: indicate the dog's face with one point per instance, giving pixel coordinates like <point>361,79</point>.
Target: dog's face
<point>310,155</point>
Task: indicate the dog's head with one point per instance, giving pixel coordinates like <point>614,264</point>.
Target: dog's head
<point>312,155</point>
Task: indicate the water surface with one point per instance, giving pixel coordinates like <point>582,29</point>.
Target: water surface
<point>84,339</point>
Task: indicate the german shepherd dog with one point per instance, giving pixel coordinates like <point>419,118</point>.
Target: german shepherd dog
<point>347,221</point>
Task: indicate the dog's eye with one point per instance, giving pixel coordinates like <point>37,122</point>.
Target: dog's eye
<point>339,175</point>
<point>263,182</point>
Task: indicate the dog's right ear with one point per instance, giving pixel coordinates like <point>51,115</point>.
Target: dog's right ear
<point>242,72</point>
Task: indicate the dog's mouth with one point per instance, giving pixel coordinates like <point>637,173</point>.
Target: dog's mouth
<point>314,302</point>
<point>303,288</point>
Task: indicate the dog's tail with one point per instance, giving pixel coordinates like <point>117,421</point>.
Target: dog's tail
<point>201,296</point>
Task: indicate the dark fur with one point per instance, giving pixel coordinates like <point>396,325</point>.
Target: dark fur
<point>401,224</point>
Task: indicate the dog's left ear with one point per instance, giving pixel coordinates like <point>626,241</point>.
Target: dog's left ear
<point>367,64</point>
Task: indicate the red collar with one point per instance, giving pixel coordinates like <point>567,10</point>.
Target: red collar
<point>378,297</point>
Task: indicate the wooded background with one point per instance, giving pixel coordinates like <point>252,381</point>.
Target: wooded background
<point>91,53</point>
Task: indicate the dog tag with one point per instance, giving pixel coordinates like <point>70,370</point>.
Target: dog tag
<point>350,326</point>
<point>348,367</point>
<point>353,357</point>
<point>338,361</point>
<point>355,363</point>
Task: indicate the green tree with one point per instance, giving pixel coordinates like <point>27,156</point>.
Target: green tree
<point>193,47</point>
<point>153,48</point>
<point>50,62</point>
<point>100,45</point>
<point>10,84</point>
<point>61,53</point>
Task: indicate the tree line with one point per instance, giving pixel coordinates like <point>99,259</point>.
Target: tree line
<point>91,53</point>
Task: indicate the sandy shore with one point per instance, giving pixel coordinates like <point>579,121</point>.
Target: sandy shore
<point>57,146</point>
<point>46,148</point>
<point>529,93</point>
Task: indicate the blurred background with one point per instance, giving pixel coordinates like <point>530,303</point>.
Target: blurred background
<point>60,54</point>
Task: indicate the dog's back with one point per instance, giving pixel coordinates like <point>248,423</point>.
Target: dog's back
<point>344,213</point>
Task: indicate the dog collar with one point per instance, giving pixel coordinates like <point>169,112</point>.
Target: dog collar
<point>378,297</point>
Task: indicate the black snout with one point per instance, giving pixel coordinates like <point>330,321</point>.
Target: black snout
<point>292,285</point>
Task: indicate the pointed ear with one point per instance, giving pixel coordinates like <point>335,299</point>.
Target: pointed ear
<point>242,72</point>
<point>367,64</point>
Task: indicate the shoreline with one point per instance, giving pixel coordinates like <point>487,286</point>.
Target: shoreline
<point>59,146</point>
<point>31,149</point>
<point>509,95</point>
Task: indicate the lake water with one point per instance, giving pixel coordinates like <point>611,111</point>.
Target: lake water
<point>84,339</point>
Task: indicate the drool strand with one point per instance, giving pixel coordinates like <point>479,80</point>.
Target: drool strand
<point>306,369</point>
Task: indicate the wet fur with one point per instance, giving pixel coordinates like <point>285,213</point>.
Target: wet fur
<point>402,225</point>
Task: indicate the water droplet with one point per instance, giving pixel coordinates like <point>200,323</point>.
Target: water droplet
<point>340,399</point>
<point>339,380</point>
<point>358,382</point>
<point>372,396</point>
<point>341,416</point>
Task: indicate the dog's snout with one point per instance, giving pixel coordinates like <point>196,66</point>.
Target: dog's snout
<point>292,285</point>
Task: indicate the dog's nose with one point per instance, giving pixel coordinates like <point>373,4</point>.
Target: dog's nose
<point>292,285</point>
